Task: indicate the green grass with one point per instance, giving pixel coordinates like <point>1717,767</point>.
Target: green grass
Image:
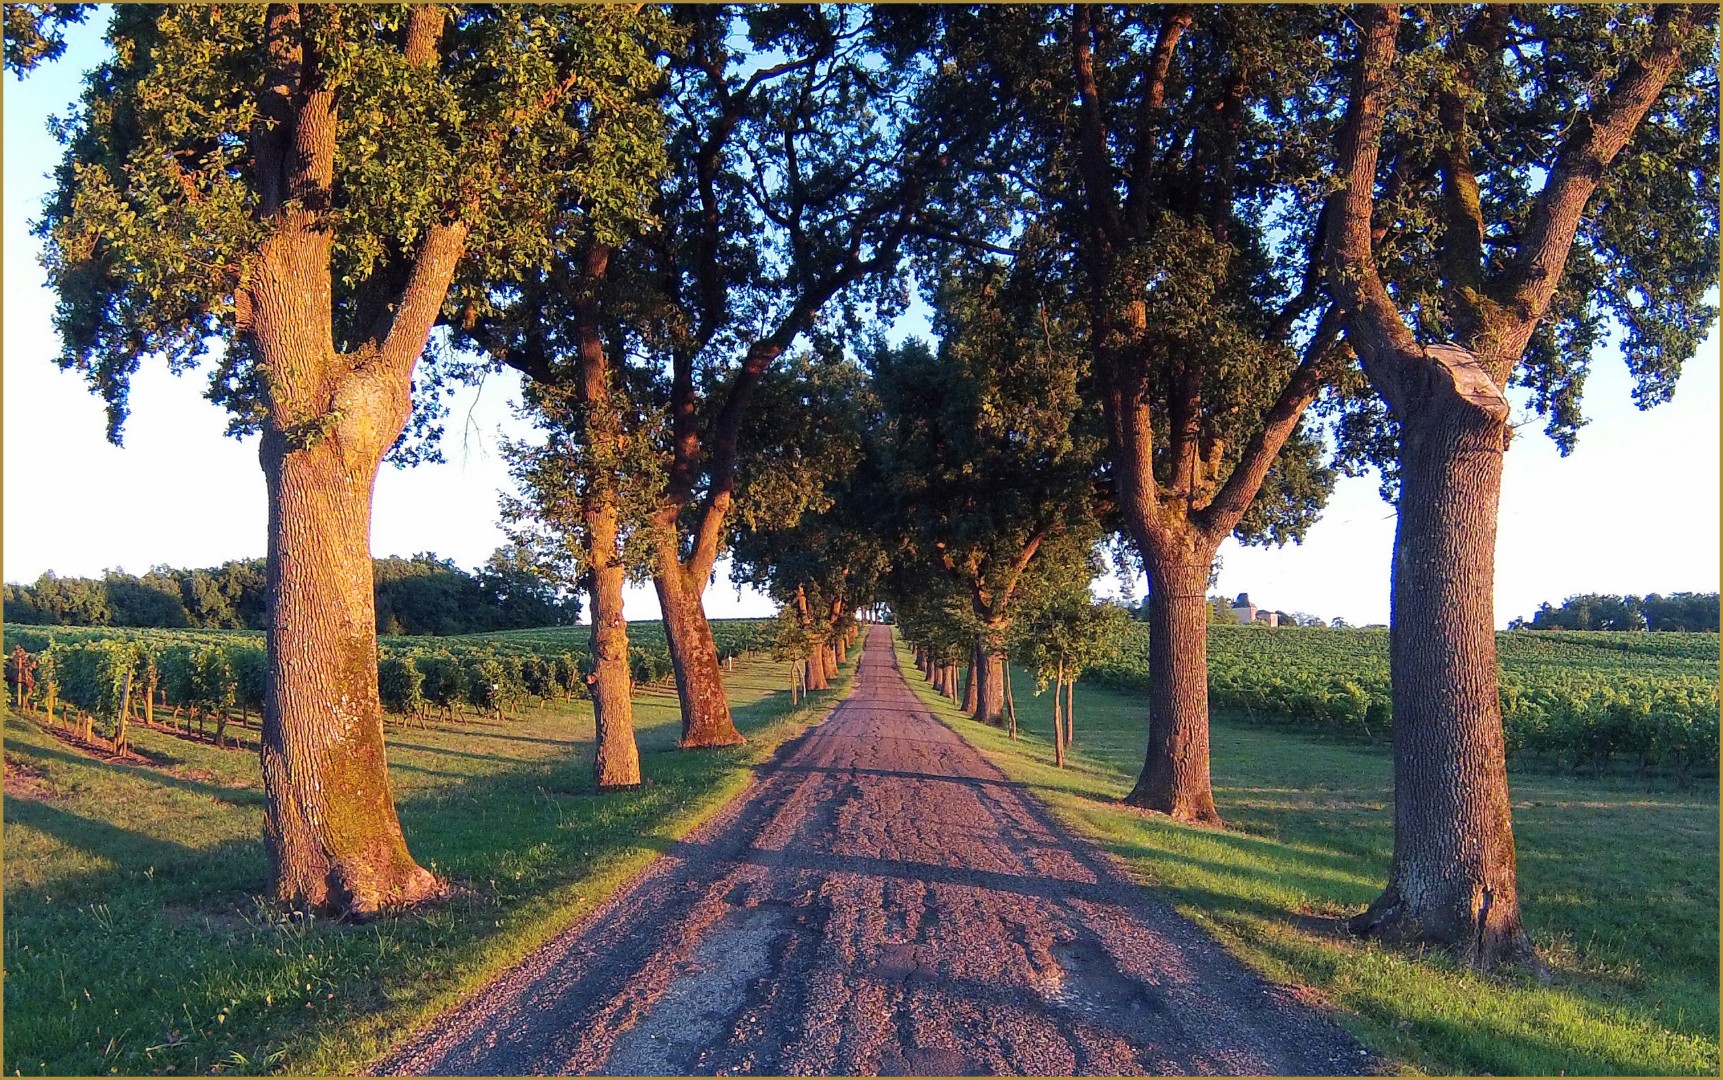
<point>1618,877</point>
<point>134,942</point>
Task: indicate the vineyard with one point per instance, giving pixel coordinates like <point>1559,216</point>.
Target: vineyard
<point>1570,699</point>
<point>98,680</point>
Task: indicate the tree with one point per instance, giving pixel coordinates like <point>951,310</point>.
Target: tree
<point>795,188</point>
<point>518,596</point>
<point>807,499</point>
<point>1591,611</point>
<point>936,618</point>
<point>1168,147</point>
<point>1062,631</point>
<point>299,185</point>
<point>807,508</point>
<point>990,454</point>
<point>587,492</point>
<point>1510,179</point>
<point>1682,611</point>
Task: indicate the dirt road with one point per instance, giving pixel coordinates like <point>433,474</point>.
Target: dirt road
<point>882,901</point>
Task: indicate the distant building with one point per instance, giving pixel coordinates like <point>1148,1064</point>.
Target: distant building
<point>1248,613</point>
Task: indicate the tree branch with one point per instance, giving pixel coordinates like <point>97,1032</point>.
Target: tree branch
<point>1093,160</point>
<point>1590,147</point>
<point>422,300</point>
<point>1371,317</point>
<point>1223,513</point>
<point>1173,25</point>
<point>1462,235</point>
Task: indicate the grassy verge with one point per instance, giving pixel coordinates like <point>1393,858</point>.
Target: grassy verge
<point>134,942</point>
<point>1619,879</point>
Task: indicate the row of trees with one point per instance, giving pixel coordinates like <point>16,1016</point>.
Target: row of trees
<point>420,595</point>
<point>1154,239</point>
<point>1594,611</point>
<point>1206,254</point>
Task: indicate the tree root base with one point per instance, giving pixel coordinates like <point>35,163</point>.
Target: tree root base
<point>1501,948</point>
<point>1204,817</point>
<point>339,901</point>
<point>713,742</point>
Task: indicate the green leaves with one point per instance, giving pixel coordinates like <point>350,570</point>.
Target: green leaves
<point>36,33</point>
<point>533,125</point>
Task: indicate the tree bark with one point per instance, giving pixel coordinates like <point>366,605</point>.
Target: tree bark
<point>706,718</point>
<point>616,756</point>
<point>1058,728</point>
<point>616,760</point>
<point>1175,777</point>
<point>330,828</point>
<point>971,688</point>
<point>1453,878</point>
<point>816,672</point>
<point>990,689</point>
<point>1071,708</point>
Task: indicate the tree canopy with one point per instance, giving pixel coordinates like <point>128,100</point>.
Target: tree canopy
<point>162,205</point>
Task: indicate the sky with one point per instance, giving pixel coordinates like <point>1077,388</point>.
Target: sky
<point>1634,509</point>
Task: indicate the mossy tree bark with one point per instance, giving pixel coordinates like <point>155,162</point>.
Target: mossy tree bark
<point>330,828</point>
<point>1453,878</point>
<point>331,832</point>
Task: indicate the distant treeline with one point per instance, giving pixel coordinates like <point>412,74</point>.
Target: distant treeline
<point>420,595</point>
<point>1594,611</point>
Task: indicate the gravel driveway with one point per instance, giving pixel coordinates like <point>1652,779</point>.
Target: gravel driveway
<point>882,901</point>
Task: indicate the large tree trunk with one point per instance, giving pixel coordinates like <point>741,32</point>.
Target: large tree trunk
<point>616,757</point>
<point>699,682</point>
<point>1175,777</point>
<point>815,671</point>
<point>616,762</point>
<point>1453,879</point>
<point>330,829</point>
<point>990,688</point>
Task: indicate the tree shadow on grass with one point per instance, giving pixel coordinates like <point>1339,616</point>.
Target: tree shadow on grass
<point>234,795</point>
<point>92,836</point>
<point>1475,1044</point>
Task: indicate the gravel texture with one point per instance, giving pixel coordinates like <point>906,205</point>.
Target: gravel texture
<point>882,901</point>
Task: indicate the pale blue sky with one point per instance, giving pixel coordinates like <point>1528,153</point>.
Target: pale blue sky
<point>1633,509</point>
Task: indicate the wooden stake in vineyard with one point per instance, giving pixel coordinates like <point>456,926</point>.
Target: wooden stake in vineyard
<point>122,739</point>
